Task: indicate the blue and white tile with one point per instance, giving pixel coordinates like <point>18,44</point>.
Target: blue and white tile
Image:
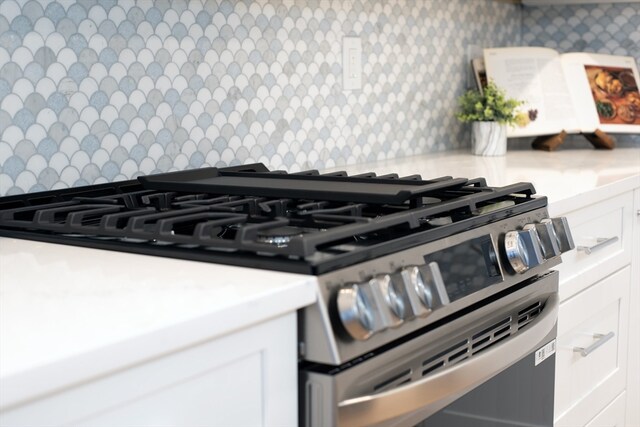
<point>214,83</point>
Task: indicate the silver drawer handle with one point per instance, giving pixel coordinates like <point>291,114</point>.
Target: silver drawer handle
<point>601,243</point>
<point>601,339</point>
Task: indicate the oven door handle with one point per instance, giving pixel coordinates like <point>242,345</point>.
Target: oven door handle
<point>427,396</point>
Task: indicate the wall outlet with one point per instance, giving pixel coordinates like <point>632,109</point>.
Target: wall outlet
<point>352,63</point>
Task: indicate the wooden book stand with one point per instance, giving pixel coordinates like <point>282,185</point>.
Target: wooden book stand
<point>598,139</point>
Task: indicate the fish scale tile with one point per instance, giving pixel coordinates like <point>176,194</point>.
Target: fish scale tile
<point>600,28</point>
<point>94,91</point>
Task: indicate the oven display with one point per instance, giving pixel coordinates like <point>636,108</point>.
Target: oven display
<point>467,267</point>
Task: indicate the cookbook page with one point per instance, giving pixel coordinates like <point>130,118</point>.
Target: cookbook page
<point>605,89</point>
<point>535,76</point>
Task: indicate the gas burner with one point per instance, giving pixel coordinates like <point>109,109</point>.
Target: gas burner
<point>280,236</point>
<point>438,222</point>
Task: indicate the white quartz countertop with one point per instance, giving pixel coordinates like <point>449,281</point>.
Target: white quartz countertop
<point>68,314</point>
<point>569,178</point>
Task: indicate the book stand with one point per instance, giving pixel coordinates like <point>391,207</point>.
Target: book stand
<point>598,139</point>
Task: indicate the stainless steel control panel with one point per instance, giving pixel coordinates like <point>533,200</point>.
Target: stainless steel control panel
<point>370,304</point>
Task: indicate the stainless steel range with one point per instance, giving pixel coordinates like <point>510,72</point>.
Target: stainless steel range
<point>430,292</point>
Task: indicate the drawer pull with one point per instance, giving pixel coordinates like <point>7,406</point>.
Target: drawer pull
<point>601,339</point>
<point>601,243</point>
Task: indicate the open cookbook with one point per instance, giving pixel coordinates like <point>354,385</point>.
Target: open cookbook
<point>571,92</point>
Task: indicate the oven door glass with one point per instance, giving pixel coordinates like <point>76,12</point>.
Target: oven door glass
<point>521,395</point>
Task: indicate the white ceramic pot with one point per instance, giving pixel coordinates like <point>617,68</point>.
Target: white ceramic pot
<point>488,139</point>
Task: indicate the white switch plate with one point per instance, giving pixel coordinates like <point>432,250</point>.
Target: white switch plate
<point>352,63</point>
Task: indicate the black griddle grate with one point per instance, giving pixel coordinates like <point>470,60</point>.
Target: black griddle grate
<point>259,181</point>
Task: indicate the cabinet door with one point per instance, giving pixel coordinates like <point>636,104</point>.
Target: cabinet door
<point>592,350</point>
<point>612,415</point>
<point>248,378</point>
<point>633,382</point>
<point>603,235</point>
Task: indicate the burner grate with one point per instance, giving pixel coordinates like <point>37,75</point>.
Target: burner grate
<point>319,231</point>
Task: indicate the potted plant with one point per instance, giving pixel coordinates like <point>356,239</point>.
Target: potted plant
<point>490,111</point>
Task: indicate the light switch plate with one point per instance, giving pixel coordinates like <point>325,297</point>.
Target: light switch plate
<point>352,63</point>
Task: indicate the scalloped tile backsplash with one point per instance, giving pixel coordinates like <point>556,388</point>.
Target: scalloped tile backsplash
<point>94,91</point>
<point>101,90</point>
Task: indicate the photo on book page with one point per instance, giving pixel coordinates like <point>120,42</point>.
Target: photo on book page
<point>615,93</point>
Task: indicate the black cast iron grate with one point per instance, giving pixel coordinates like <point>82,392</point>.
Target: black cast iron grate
<point>284,231</point>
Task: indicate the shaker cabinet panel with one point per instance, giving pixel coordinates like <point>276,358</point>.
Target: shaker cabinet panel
<point>612,415</point>
<point>591,350</point>
<point>602,234</point>
<point>245,378</point>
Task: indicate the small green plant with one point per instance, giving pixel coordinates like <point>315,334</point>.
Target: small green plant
<point>490,106</point>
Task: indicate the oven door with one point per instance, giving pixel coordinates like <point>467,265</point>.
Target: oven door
<point>493,366</point>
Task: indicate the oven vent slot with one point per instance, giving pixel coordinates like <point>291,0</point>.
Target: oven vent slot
<point>527,315</point>
<point>396,380</point>
<point>451,355</point>
<point>489,336</point>
<point>476,341</point>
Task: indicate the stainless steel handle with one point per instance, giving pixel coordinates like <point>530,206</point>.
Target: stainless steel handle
<point>601,339</point>
<point>434,392</point>
<point>601,243</point>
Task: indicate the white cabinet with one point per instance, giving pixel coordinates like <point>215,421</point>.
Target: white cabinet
<point>598,317</point>
<point>248,378</point>
<point>603,235</point>
<point>612,415</point>
<point>591,355</point>
<point>633,383</point>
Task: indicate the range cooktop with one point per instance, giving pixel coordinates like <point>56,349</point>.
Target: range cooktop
<point>305,222</point>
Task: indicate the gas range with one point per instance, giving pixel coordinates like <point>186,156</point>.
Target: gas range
<point>392,254</point>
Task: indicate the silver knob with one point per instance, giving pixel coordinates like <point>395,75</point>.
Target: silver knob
<point>523,250</point>
<point>563,233</point>
<point>547,238</point>
<point>356,311</point>
<point>392,296</point>
<point>425,283</point>
<point>433,277</point>
<point>419,294</point>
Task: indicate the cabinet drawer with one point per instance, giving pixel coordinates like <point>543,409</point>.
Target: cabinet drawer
<point>247,378</point>
<point>595,321</point>
<point>602,234</point>
<point>612,415</point>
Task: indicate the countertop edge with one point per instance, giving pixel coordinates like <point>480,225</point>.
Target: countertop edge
<point>20,387</point>
<point>578,201</point>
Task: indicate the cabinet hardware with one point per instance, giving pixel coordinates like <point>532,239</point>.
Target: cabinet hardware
<point>601,243</point>
<point>601,339</point>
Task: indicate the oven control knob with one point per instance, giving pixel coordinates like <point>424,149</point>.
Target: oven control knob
<point>546,237</point>
<point>392,295</point>
<point>356,311</point>
<point>562,233</point>
<point>418,292</point>
<point>426,289</point>
<point>523,250</point>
